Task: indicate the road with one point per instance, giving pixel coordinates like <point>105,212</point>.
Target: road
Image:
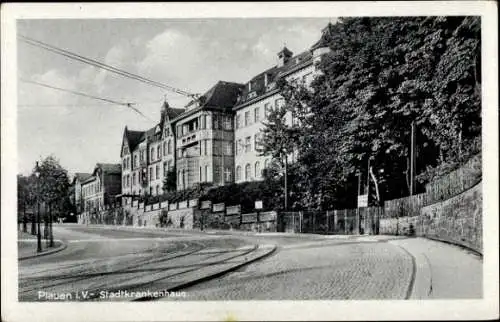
<point>100,261</point>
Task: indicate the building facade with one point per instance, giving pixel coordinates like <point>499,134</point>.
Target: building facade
<point>215,139</point>
<point>205,136</point>
<point>76,189</point>
<point>148,156</point>
<point>101,188</point>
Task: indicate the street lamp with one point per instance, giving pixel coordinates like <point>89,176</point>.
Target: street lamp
<point>39,235</point>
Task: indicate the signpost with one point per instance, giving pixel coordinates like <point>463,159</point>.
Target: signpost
<point>258,207</point>
<point>363,201</point>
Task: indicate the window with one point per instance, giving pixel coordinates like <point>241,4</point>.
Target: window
<point>227,175</point>
<point>247,118</point>
<point>152,154</point>
<point>215,121</point>
<point>266,163</point>
<point>206,173</point>
<point>228,122</point>
<point>135,161</point>
<point>201,175</point>
<point>256,142</point>
<point>206,147</point>
<point>279,103</point>
<point>157,171</point>
<point>256,116</point>
<point>151,174</point>
<point>257,169</point>
<point>128,180</point>
<point>238,121</point>
<point>239,146</point>
<point>133,179</point>
<point>169,147</point>
<point>157,190</point>
<point>238,173</point>
<point>247,172</point>
<point>267,109</point>
<point>125,163</point>
<point>164,148</point>
<point>169,165</point>
<point>248,144</point>
<point>228,147</point>
<point>151,190</point>
<point>158,154</point>
<point>165,169</point>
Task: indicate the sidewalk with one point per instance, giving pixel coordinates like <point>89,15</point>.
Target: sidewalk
<point>443,271</point>
<point>27,246</point>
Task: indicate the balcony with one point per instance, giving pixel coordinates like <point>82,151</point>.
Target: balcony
<point>189,139</point>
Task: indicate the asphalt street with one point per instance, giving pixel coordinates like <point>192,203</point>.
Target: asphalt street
<point>106,263</point>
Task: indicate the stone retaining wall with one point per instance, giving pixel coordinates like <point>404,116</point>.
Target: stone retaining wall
<point>457,220</point>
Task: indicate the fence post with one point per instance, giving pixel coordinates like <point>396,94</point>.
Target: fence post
<point>301,218</point>
<point>327,221</point>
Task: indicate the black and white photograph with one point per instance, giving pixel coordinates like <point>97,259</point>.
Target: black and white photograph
<point>249,161</point>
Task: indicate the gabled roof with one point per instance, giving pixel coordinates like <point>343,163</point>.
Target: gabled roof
<point>222,96</point>
<point>109,168</point>
<point>81,176</point>
<point>134,138</point>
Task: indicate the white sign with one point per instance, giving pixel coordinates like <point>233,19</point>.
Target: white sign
<point>258,204</point>
<point>362,201</point>
<point>218,207</point>
<point>206,204</point>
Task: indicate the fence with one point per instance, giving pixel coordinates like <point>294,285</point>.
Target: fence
<point>456,181</point>
<point>343,221</point>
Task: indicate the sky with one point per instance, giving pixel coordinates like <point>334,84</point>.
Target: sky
<point>189,54</point>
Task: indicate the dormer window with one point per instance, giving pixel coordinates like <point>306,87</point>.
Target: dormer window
<point>252,95</point>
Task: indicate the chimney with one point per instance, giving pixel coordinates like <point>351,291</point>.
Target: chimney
<point>284,56</point>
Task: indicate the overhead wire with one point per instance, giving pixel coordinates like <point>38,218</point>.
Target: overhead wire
<point>107,100</point>
<point>102,65</point>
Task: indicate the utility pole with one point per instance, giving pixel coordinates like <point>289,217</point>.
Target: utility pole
<point>412,159</point>
<point>286,182</point>
<point>39,233</point>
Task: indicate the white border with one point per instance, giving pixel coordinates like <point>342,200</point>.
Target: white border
<point>253,310</point>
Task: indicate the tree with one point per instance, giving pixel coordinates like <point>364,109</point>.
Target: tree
<point>170,181</point>
<point>381,76</point>
<point>53,185</point>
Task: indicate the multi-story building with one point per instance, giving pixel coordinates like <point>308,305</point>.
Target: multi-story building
<point>101,188</point>
<point>205,136</point>
<point>76,186</point>
<point>215,139</point>
<point>147,157</point>
<point>261,96</point>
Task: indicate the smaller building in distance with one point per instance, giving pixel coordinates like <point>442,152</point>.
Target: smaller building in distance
<point>76,190</point>
<point>100,189</point>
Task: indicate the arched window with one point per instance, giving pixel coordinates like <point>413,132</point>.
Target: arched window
<point>158,151</point>
<point>257,169</point>
<point>169,147</point>
<point>247,172</point>
<point>164,148</point>
<point>238,173</point>
<point>133,179</point>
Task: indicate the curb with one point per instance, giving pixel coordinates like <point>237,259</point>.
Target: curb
<point>211,276</point>
<point>456,244</point>
<point>52,251</point>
